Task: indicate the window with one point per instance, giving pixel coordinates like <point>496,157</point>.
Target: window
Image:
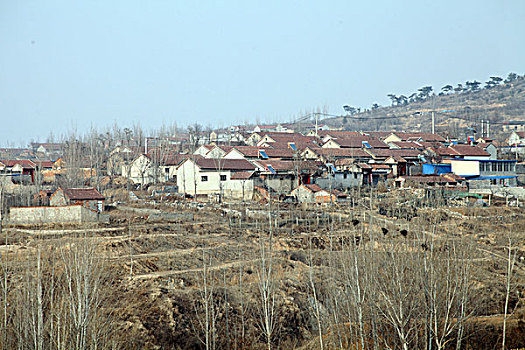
<point>223,177</point>
<point>204,178</point>
<point>345,175</point>
<point>500,166</point>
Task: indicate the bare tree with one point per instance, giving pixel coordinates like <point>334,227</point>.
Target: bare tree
<point>511,260</point>
<point>267,284</point>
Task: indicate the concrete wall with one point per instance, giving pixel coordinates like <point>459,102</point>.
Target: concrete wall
<point>280,183</point>
<point>340,182</point>
<point>71,214</point>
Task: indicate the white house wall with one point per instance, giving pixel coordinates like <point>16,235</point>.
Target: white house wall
<point>234,154</point>
<point>468,168</point>
<point>189,180</point>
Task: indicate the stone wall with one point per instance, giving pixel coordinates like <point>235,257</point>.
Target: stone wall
<point>70,214</point>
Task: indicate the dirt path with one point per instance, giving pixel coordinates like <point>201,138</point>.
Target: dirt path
<point>158,274</point>
<point>166,253</point>
<point>70,231</point>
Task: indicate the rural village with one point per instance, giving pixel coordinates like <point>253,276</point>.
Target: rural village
<point>330,232</point>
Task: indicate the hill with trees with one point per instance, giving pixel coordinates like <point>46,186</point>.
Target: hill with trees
<point>457,109</point>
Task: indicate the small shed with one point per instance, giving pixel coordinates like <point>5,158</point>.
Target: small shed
<point>87,197</point>
<point>311,193</point>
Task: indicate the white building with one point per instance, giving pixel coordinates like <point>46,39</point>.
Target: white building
<point>223,178</point>
<point>486,171</point>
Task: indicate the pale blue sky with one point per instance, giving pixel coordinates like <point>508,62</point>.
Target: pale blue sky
<point>83,63</point>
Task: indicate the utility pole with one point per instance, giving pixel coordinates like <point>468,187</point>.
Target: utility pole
<point>482,131</point>
<point>433,123</point>
<point>316,126</point>
<point>488,128</point>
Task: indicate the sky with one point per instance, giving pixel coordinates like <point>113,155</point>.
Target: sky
<point>68,66</point>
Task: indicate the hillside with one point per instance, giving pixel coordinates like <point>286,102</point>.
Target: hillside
<point>201,282</point>
<point>455,110</point>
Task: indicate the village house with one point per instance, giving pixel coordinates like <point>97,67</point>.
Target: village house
<point>88,197</point>
<point>282,176</point>
<point>374,174</point>
<point>490,148</point>
<point>203,150</point>
<point>280,128</point>
<point>342,175</point>
<point>217,151</point>
<point>154,167</point>
<point>327,155</point>
<point>120,156</point>
<point>47,149</point>
<point>458,152</point>
<point>484,173</point>
<point>20,170</point>
<point>224,178</point>
<point>295,142</point>
<point>16,153</point>
<point>516,138</point>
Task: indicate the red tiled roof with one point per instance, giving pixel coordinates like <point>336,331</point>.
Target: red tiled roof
<point>24,163</point>
<point>335,133</point>
<point>301,141</point>
<point>224,164</point>
<point>241,175</point>
<point>44,163</point>
<point>83,194</point>
<point>385,153</point>
<point>431,144</point>
<point>289,165</point>
<point>466,150</point>
<point>301,145</point>
<point>407,144</point>
<point>343,152</point>
<point>176,159</point>
<point>253,152</point>
<point>357,142</point>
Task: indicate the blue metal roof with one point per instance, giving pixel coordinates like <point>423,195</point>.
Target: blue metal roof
<point>489,177</point>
